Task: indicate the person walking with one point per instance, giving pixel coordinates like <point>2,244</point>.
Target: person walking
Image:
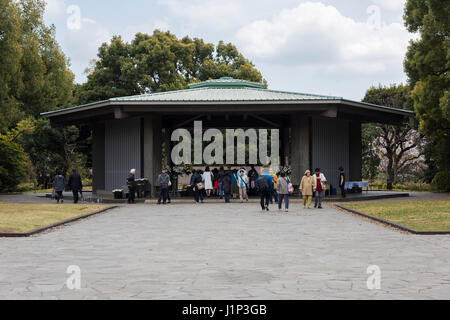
<point>263,188</point>
<point>226,185</point>
<point>342,181</point>
<point>319,187</point>
<point>164,182</point>
<point>220,177</point>
<point>283,191</point>
<point>268,176</point>
<point>273,194</point>
<point>208,178</point>
<point>243,185</point>
<point>75,184</point>
<point>131,183</point>
<point>306,188</point>
<point>59,183</point>
<point>198,186</point>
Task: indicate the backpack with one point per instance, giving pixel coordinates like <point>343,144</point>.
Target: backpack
<point>262,184</point>
<point>290,186</point>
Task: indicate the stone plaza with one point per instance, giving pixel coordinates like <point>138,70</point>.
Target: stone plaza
<point>224,251</point>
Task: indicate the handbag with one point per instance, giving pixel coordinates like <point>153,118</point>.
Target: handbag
<point>290,186</point>
<point>199,186</point>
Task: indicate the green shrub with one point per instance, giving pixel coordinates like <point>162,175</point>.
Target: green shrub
<point>13,164</point>
<point>441,180</point>
<point>23,187</point>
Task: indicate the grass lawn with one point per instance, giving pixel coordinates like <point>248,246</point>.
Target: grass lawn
<point>418,215</point>
<point>20,217</point>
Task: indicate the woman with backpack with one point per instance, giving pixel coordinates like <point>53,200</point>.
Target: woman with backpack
<point>284,187</point>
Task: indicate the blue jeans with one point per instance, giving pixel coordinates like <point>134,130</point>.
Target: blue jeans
<point>227,197</point>
<point>265,199</point>
<point>220,189</point>
<point>284,197</point>
<point>273,194</point>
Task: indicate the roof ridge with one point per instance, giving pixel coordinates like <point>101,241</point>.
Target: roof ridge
<point>153,94</point>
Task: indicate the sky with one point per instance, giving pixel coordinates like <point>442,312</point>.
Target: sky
<point>339,48</point>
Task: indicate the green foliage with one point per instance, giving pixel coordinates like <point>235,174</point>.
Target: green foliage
<point>442,180</point>
<point>160,62</point>
<point>427,64</point>
<point>51,149</point>
<point>13,163</point>
<point>34,73</point>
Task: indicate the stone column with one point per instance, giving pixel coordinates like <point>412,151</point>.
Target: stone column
<point>98,157</point>
<point>299,147</point>
<point>355,152</point>
<point>285,146</point>
<point>152,149</point>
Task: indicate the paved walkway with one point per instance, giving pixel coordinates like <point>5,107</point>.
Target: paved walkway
<point>218,251</point>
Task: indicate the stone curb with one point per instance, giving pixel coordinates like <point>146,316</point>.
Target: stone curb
<point>392,224</point>
<point>57,224</point>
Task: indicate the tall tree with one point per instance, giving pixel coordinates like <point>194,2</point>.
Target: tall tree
<point>427,64</point>
<point>398,147</point>
<point>160,62</point>
<point>10,70</point>
<point>34,73</point>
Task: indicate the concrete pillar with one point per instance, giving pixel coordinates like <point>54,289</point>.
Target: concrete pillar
<point>300,157</point>
<point>167,147</point>
<point>152,145</point>
<point>285,152</point>
<point>98,157</point>
<point>355,152</point>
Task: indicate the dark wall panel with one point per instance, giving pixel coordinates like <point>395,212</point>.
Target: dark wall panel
<point>330,147</point>
<point>122,151</point>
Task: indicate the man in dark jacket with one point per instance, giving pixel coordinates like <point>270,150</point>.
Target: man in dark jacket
<point>163,181</point>
<point>196,179</point>
<point>75,185</point>
<point>131,183</point>
<point>226,185</point>
<point>342,181</point>
<point>263,188</point>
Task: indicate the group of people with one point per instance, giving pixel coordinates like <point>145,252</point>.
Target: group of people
<point>74,184</point>
<point>225,184</point>
<point>270,187</point>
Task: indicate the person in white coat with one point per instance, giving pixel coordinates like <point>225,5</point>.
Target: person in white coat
<point>208,178</point>
<point>320,185</point>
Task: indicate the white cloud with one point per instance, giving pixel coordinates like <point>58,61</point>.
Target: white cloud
<point>83,44</point>
<point>216,13</point>
<point>55,9</point>
<point>316,35</point>
<point>390,5</point>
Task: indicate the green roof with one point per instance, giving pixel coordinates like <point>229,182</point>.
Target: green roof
<point>227,90</point>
